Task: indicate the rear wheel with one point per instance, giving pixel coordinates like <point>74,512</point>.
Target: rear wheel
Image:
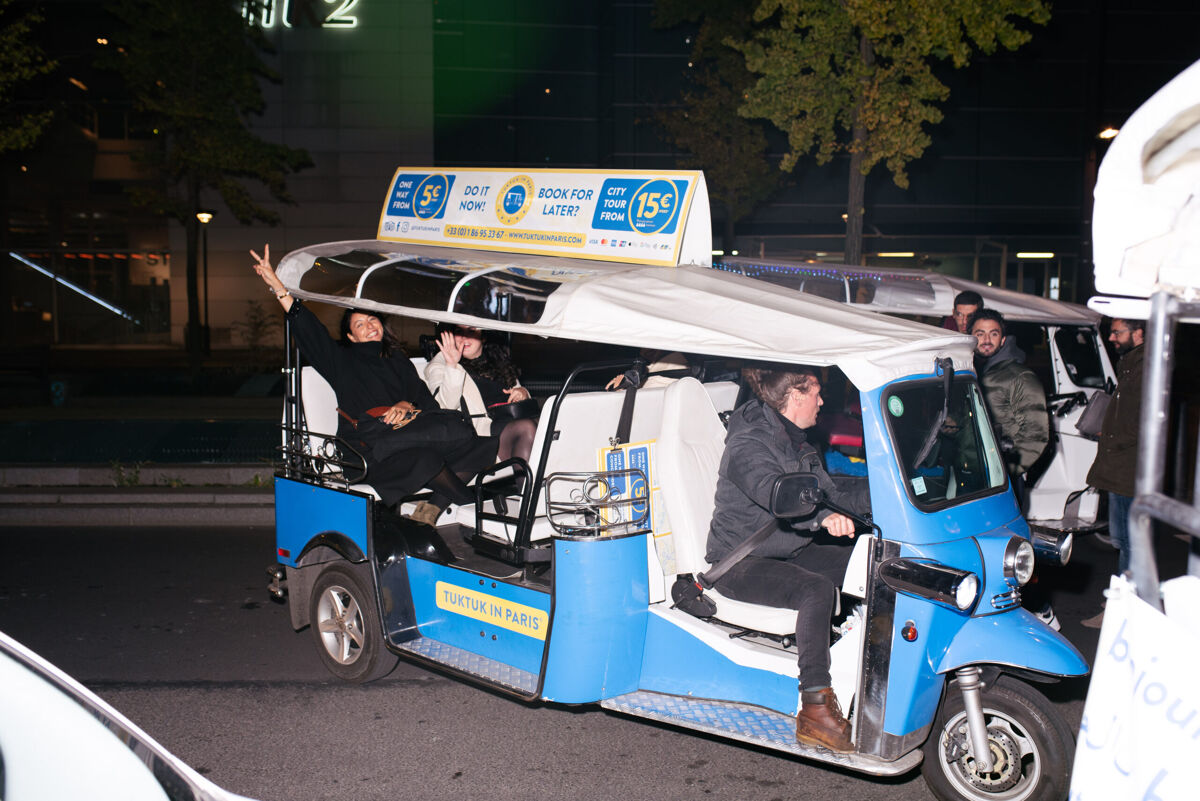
<point>346,627</point>
<point>1032,748</point>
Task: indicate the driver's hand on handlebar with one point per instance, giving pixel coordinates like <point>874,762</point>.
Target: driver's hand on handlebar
<point>838,525</point>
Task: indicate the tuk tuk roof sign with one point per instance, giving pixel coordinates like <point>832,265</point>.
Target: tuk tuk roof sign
<point>690,308</point>
<point>632,216</point>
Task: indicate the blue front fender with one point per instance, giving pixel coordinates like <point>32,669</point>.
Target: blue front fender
<point>1015,639</point>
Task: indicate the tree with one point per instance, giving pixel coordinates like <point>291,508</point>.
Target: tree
<point>856,77</point>
<point>193,70</point>
<point>20,62</point>
<point>730,149</point>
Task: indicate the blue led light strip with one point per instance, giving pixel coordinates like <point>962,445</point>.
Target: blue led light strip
<point>75,288</point>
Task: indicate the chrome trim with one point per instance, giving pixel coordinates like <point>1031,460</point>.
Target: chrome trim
<point>871,704</point>
<point>1006,600</point>
<point>1053,547</point>
<point>1012,553</point>
<point>971,686</point>
<point>930,580</point>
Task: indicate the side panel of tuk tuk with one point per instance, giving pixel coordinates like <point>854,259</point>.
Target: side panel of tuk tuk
<point>601,593</point>
<point>502,622</point>
<point>305,513</point>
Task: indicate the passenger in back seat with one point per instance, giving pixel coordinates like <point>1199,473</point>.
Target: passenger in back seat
<point>466,371</point>
<point>408,442</point>
<point>796,567</point>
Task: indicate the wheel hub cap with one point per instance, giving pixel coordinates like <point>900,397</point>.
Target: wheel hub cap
<point>1006,765</point>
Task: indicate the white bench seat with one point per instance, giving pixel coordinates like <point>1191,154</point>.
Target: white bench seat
<point>690,445</point>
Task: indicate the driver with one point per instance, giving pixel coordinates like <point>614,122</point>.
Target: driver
<point>798,566</point>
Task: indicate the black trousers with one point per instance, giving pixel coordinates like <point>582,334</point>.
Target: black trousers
<point>806,582</point>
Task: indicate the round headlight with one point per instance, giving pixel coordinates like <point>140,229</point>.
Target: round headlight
<point>965,592</point>
<point>1018,560</point>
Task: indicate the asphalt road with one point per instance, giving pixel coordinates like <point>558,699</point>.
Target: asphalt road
<point>175,628</point>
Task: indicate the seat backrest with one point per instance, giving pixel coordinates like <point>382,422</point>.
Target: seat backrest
<point>320,404</point>
<point>690,444</point>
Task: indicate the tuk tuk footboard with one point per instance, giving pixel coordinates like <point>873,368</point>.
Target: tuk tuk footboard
<point>748,724</point>
<point>464,662</point>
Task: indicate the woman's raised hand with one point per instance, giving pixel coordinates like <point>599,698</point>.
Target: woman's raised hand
<point>262,266</point>
<point>451,350</point>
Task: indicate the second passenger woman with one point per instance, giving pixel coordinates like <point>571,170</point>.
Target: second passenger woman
<point>481,376</point>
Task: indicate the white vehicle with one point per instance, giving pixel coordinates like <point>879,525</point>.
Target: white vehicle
<point>1061,341</point>
<point>59,740</point>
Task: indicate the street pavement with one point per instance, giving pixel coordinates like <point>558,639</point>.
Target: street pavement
<point>173,626</point>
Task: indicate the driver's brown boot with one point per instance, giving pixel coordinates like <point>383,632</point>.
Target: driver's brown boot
<point>820,721</point>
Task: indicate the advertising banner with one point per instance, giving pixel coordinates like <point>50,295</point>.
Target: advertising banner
<point>630,216</point>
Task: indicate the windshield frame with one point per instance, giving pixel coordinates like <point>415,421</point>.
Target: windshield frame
<point>899,455</point>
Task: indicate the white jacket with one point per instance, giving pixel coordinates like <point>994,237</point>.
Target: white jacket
<point>451,385</point>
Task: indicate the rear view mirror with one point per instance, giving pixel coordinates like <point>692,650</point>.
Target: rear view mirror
<point>795,495</point>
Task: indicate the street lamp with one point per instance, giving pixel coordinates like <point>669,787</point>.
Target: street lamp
<point>205,217</point>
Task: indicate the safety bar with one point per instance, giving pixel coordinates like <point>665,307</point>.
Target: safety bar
<point>1150,503</point>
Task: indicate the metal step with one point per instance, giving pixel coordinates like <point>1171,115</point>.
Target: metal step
<point>467,662</point>
<point>748,724</point>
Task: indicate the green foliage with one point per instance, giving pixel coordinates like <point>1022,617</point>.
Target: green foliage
<point>256,325</point>
<point>193,69</point>
<point>20,62</point>
<point>856,75</point>
<point>126,476</point>
<point>729,149</point>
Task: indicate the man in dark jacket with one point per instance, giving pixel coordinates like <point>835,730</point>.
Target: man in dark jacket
<point>1116,455</point>
<point>1015,396</point>
<point>798,566</point>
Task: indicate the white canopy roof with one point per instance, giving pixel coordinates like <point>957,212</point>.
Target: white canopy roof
<point>896,290</point>
<point>1146,223</point>
<point>689,308</point>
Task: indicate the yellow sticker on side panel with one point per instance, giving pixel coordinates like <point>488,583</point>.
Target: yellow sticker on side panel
<point>490,609</point>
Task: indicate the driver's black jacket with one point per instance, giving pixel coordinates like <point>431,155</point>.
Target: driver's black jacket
<point>760,446</point>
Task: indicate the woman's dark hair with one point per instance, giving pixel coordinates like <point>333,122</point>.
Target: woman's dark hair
<point>772,385</point>
<point>389,341</point>
<point>493,364</point>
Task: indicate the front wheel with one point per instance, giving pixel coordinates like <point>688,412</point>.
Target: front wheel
<point>346,627</point>
<point>1032,748</point>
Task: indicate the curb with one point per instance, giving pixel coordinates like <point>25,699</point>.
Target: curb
<point>137,506</point>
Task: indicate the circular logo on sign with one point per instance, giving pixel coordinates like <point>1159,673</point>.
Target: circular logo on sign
<point>514,200</point>
<point>653,206</point>
<point>430,197</point>
<point>895,406</point>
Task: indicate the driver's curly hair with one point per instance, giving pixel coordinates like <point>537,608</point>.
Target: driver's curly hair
<point>771,385</point>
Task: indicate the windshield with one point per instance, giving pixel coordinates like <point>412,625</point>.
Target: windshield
<point>964,461</point>
<point>1080,356</point>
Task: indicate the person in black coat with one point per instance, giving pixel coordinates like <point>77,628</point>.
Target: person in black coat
<point>385,408</point>
<point>798,566</point>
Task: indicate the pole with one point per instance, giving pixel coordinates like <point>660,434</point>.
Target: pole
<point>207,330</point>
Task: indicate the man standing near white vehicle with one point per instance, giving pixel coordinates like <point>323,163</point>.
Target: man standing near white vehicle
<point>1116,455</point>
